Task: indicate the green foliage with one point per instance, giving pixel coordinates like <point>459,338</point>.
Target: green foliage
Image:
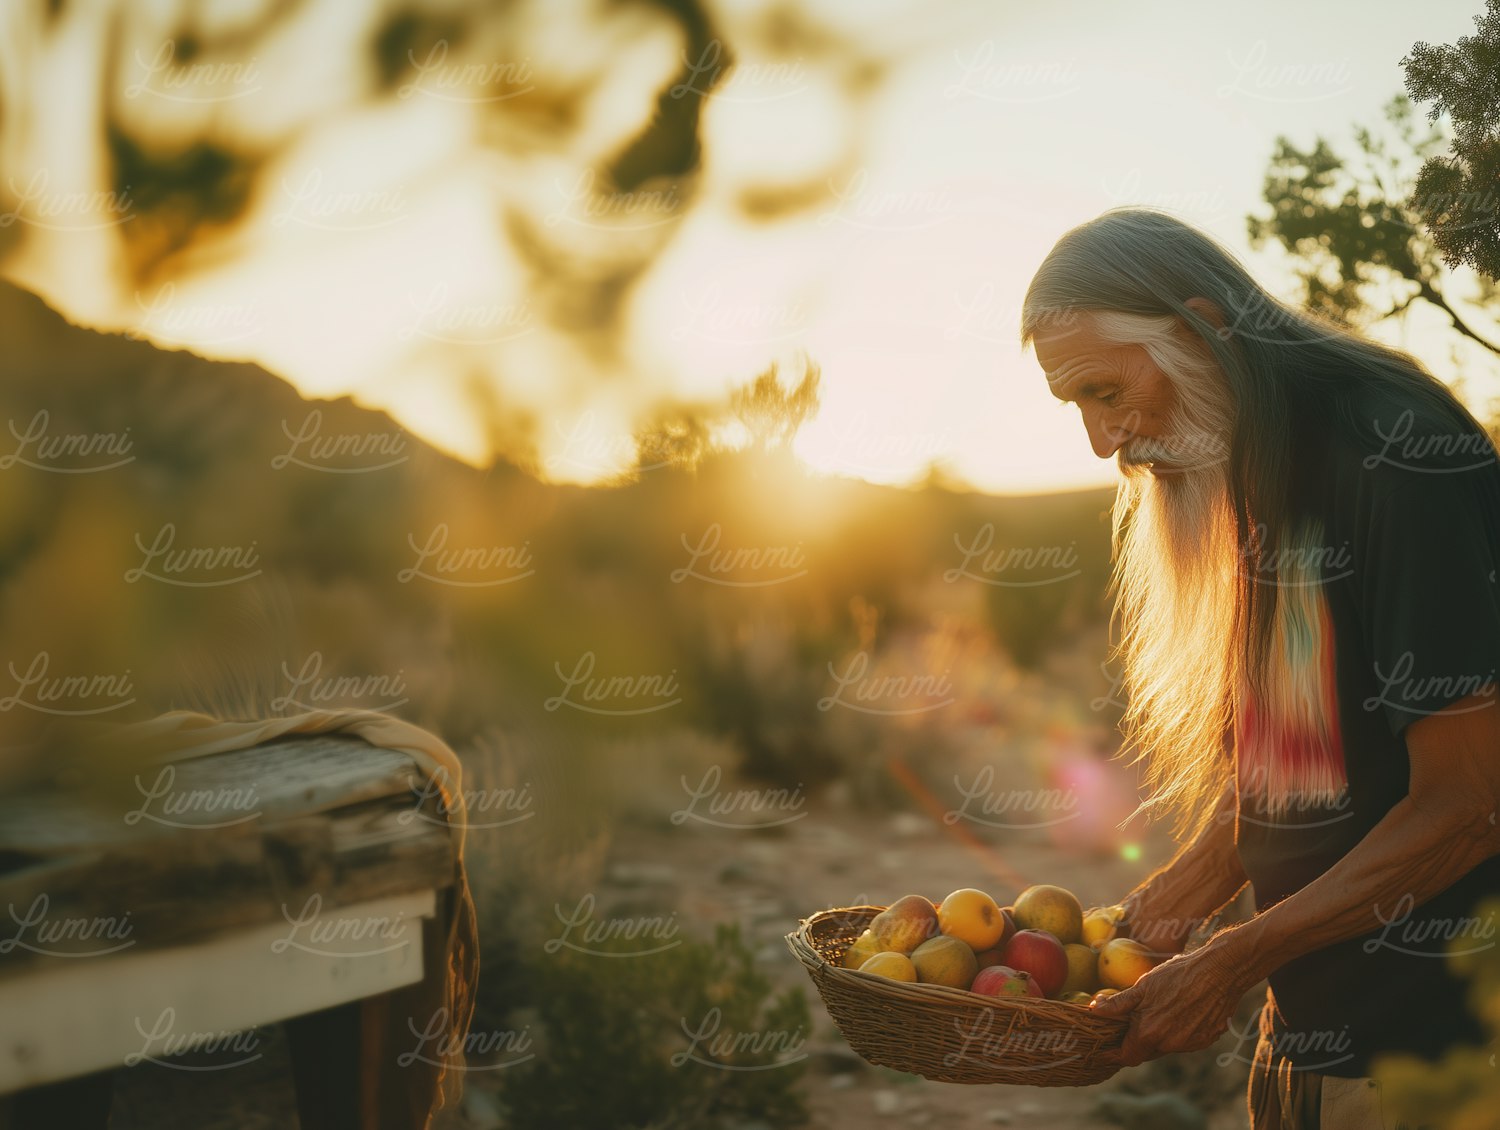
<point>1354,224</point>
<point>683,1038</point>
<point>1342,216</point>
<point>1457,195</point>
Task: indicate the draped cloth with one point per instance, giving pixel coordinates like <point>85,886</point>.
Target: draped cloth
<point>397,1091</point>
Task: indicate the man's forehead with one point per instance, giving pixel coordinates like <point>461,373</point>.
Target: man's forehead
<point>1057,345</point>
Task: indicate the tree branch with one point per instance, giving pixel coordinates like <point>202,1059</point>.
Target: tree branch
<point>1459,324</point>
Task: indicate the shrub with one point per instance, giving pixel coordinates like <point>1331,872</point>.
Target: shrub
<point>686,1037</point>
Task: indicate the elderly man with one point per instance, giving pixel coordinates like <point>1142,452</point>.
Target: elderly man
<point>1306,544</point>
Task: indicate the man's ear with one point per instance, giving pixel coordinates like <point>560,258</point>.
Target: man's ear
<point>1205,308</point>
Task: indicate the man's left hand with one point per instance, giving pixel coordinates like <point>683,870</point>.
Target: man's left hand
<point>1183,1005</point>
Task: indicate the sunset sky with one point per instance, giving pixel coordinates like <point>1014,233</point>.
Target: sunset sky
<point>374,260</point>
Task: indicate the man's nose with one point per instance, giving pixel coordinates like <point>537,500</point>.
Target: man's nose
<point>1107,432</point>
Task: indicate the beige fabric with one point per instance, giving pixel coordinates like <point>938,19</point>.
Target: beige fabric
<point>1283,1098</point>
<point>399,1097</point>
<point>1352,1104</point>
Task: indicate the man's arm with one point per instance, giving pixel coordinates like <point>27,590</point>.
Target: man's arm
<point>1164,909</point>
<point>1440,831</point>
<point>1443,829</point>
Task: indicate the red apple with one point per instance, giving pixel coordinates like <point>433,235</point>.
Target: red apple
<point>988,957</point>
<point>1040,954</point>
<point>1003,981</point>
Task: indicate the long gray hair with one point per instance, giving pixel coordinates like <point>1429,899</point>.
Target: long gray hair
<point>1293,383</point>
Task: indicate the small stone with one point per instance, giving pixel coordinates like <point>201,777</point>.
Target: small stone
<point>836,1060</point>
<point>998,1116</point>
<point>481,1109</point>
<point>1152,1112</point>
<point>841,1082</point>
<point>642,874</point>
<point>906,825</point>
<point>886,1102</point>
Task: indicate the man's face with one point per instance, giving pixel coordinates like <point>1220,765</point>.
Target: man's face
<point>1123,397</point>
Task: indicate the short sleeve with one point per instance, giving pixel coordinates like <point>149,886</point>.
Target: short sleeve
<point>1429,593</point>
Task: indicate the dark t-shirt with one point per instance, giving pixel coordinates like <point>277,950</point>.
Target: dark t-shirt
<point>1390,610</point>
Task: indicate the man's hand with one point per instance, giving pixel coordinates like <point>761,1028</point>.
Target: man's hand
<point>1183,1005</point>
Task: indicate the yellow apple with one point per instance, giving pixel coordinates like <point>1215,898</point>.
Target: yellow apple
<point>894,966</point>
<point>1123,962</point>
<point>972,916</point>
<point>864,947</point>
<point>945,961</point>
<point>1083,969</point>
<point>905,924</point>
<point>1050,908</point>
<point>1102,924</point>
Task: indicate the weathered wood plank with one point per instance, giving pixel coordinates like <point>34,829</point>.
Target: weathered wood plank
<point>380,836</point>
<point>135,1007</point>
<point>277,781</point>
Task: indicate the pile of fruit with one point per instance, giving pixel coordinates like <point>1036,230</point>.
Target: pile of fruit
<point>1044,945</point>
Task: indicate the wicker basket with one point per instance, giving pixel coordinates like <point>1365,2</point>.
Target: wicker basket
<point>950,1035</point>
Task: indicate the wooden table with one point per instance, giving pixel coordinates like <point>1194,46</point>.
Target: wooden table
<point>290,880</point>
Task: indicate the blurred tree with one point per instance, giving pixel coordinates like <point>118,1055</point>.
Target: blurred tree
<point>1458,195</point>
<point>770,411</point>
<point>1351,222</point>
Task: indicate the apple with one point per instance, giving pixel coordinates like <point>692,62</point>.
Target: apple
<point>1083,969</point>
<point>986,958</point>
<point>905,924</point>
<point>1039,953</point>
<point>893,966</point>
<point>1123,962</point>
<point>1102,924</point>
<point>863,948</point>
<point>1003,981</point>
<point>1050,908</point>
<point>945,961</point>
<point>972,916</point>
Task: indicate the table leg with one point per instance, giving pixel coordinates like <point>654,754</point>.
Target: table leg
<point>325,1053</point>
<point>80,1104</point>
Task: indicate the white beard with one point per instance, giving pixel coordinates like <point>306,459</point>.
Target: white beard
<point>1175,579</point>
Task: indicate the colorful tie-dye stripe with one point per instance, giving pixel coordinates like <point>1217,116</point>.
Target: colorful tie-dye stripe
<point>1288,747</point>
